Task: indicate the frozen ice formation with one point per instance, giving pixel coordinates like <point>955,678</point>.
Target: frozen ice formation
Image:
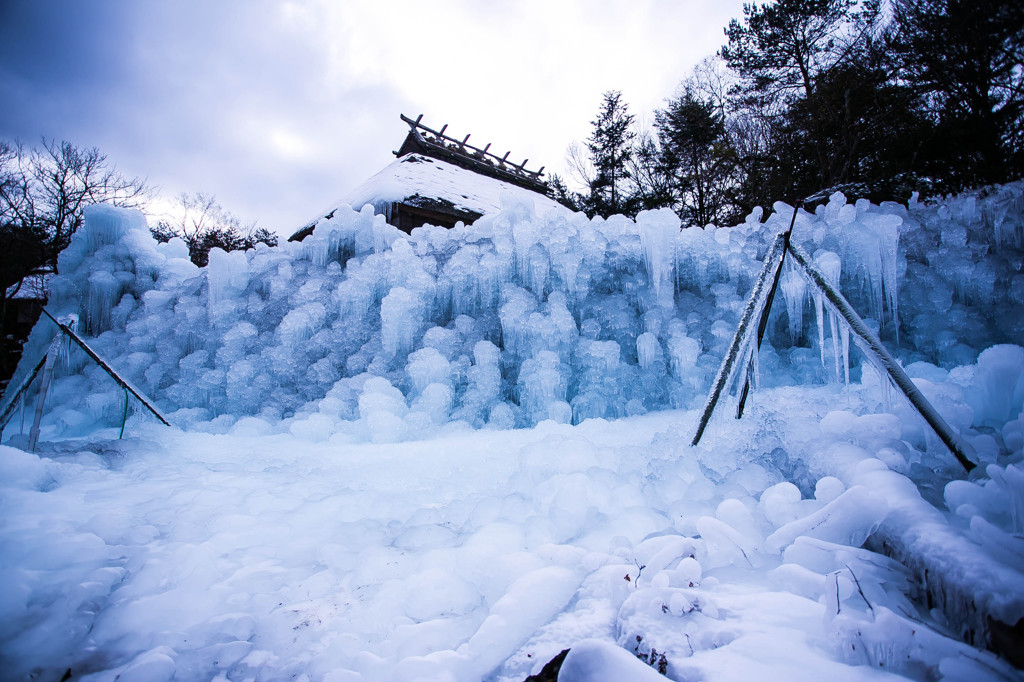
<point>517,318</point>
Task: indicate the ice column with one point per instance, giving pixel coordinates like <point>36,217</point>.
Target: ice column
<point>401,314</point>
<point>831,267</point>
<point>658,230</point>
<point>794,289</point>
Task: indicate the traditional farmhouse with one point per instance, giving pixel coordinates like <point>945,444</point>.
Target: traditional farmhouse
<point>442,180</point>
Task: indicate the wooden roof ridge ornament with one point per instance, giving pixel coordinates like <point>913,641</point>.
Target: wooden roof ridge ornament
<point>439,145</point>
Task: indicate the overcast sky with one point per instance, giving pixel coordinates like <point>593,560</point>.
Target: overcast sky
<point>279,108</point>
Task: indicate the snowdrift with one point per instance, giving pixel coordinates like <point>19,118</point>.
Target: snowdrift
<point>362,332</point>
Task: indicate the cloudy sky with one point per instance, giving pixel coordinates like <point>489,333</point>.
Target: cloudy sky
<point>279,108</point>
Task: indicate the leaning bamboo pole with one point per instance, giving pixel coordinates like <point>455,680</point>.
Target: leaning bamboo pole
<point>762,324</point>
<point>895,372</point>
<point>755,305</point>
<point>11,397</point>
<point>122,382</point>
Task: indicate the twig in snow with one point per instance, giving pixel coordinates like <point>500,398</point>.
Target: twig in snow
<point>839,604</point>
<point>639,570</point>
<point>857,583</point>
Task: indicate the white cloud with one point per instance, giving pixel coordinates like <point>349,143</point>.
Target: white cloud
<point>280,106</point>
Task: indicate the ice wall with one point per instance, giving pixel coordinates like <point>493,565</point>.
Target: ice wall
<point>361,331</point>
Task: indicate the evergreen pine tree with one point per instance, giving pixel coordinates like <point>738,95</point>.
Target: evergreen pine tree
<point>611,148</point>
<point>696,159</point>
<point>558,191</point>
<point>782,52</point>
<point>966,59</point>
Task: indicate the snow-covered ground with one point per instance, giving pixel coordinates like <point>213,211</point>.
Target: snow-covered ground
<point>342,496</point>
<point>482,554</point>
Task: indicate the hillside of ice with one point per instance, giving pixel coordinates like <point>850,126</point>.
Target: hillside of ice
<point>363,332</point>
<point>344,499</point>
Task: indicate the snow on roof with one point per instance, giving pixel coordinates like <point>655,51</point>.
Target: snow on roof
<point>415,175</point>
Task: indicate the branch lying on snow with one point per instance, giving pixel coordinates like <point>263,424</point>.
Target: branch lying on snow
<point>639,570</point>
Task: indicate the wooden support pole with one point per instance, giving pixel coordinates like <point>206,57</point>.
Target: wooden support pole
<point>44,387</point>
<point>763,322</point>
<point>123,383</point>
<point>903,382</point>
<point>124,416</point>
<point>755,304</point>
<point>11,401</point>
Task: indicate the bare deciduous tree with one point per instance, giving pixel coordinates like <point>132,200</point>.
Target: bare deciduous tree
<point>43,193</point>
<point>203,224</point>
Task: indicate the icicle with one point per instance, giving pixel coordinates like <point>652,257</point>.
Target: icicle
<point>833,320</point>
<point>1011,480</point>
<point>890,240</point>
<point>227,275</point>
<point>658,230</point>
<point>884,381</point>
<point>63,349</point>
<point>845,330</point>
<point>831,267</point>
<point>647,348</point>
<point>886,384</point>
<point>104,292</point>
<point>794,289</point>
<point>899,377</point>
<point>820,316</point>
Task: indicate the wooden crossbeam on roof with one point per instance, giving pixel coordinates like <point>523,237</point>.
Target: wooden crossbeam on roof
<point>440,139</point>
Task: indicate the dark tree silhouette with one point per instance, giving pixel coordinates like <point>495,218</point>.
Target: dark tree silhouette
<point>203,224</point>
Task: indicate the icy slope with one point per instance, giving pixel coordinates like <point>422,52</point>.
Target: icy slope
<point>277,536</point>
<point>480,555</point>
